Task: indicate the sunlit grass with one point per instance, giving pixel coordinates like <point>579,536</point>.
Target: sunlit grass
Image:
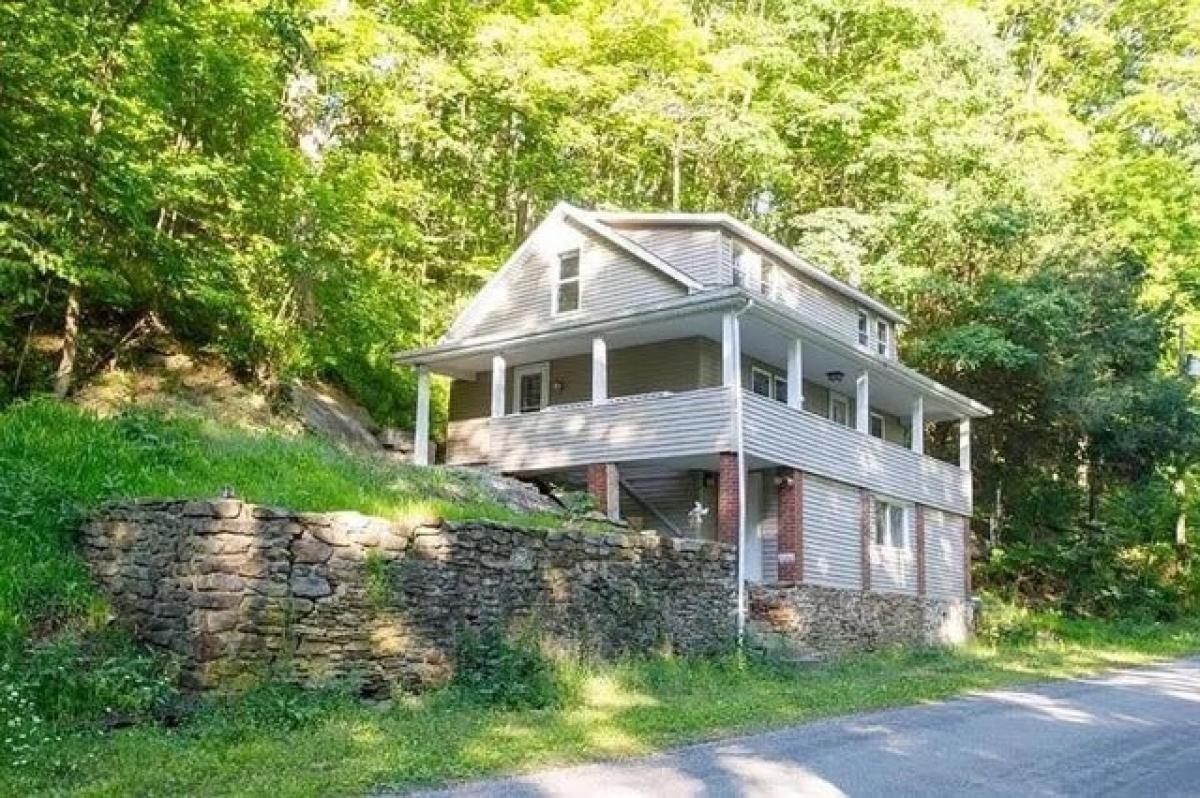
<point>621,709</point>
<point>57,462</point>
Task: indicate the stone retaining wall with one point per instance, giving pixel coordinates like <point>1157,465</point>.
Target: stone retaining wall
<point>233,588</point>
<point>815,622</point>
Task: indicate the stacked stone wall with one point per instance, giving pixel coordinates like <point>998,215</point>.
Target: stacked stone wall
<point>819,623</point>
<point>234,589</point>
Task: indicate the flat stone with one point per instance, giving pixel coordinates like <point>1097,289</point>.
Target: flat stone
<point>311,550</point>
<point>199,510</point>
<point>310,587</point>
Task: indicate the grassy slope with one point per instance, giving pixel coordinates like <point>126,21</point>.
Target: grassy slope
<point>56,461</point>
<point>621,710</point>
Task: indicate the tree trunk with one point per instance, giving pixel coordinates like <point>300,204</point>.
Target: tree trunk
<point>66,366</point>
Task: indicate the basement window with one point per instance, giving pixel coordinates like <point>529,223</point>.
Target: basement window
<point>566,282</point>
<point>891,528</point>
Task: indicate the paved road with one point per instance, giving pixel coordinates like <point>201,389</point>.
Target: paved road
<point>1127,733</point>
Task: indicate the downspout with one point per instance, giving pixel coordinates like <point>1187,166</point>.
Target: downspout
<point>741,467</point>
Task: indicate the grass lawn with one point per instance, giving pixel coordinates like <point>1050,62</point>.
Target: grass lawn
<point>340,746</point>
<point>57,461</point>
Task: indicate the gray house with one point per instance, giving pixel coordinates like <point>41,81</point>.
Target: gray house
<point>704,380</point>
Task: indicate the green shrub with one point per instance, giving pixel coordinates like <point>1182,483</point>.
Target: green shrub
<point>511,673</point>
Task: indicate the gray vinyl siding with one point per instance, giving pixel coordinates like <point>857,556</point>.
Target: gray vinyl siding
<point>818,446</point>
<point>697,422</point>
<point>832,513</point>
<point>813,301</point>
<point>610,281</point>
<point>894,570</point>
<point>769,528</point>
<point>670,492</point>
<point>694,251</point>
<point>467,441</point>
<point>673,365</point>
<point>816,397</point>
<point>944,562</point>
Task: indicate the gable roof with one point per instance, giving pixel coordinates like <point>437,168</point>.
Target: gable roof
<point>763,242</point>
<point>565,212</point>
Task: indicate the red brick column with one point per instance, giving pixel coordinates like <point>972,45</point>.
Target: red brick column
<point>864,538</point>
<point>791,525</point>
<point>919,524</point>
<point>603,485</point>
<point>727,498</point>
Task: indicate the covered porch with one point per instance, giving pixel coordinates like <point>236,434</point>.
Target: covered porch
<point>701,378</point>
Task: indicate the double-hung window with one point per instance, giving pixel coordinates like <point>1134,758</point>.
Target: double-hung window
<point>891,525</point>
<point>566,282</point>
<point>769,384</point>
<point>876,425</point>
<point>864,328</point>
<point>883,337</point>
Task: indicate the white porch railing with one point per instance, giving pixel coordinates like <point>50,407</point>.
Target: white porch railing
<point>816,445</point>
<point>641,427</point>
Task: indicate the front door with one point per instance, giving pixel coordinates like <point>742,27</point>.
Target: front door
<point>531,387</point>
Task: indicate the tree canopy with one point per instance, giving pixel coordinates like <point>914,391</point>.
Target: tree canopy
<point>304,187</point>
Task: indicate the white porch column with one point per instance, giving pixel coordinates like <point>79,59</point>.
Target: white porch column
<point>731,351</point>
<point>599,371</point>
<point>499,369</point>
<point>918,425</point>
<point>964,443</point>
<point>421,435</point>
<point>795,374</point>
<point>862,403</point>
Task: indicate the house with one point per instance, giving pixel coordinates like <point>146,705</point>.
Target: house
<point>704,380</point>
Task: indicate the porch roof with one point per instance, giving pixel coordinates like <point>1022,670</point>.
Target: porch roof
<point>682,317</point>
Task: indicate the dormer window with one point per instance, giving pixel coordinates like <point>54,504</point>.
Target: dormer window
<point>566,282</point>
<point>864,328</point>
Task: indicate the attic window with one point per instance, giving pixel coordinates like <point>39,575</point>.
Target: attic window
<point>566,283</point>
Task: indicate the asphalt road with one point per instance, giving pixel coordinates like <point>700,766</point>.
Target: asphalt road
<point>1127,733</point>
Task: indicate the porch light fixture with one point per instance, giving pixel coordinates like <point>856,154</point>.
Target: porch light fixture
<point>834,376</point>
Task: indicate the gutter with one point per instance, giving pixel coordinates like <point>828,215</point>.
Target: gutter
<point>740,447</point>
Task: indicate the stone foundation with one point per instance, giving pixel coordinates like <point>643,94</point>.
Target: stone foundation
<point>233,589</point>
<point>819,623</point>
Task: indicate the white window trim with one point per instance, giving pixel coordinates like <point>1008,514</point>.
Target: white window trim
<point>836,398</point>
<point>906,514</point>
<point>558,281</point>
<point>883,343</point>
<point>531,368</point>
<point>882,426</point>
<point>770,394</point>
<point>863,332</point>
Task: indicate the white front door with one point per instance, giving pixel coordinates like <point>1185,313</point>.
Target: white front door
<point>754,510</point>
<point>531,387</point>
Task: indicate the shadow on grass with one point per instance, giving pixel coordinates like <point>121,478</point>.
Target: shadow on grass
<point>624,710</point>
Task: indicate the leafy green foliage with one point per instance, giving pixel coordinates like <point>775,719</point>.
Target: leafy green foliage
<point>509,672</point>
<point>278,742</point>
